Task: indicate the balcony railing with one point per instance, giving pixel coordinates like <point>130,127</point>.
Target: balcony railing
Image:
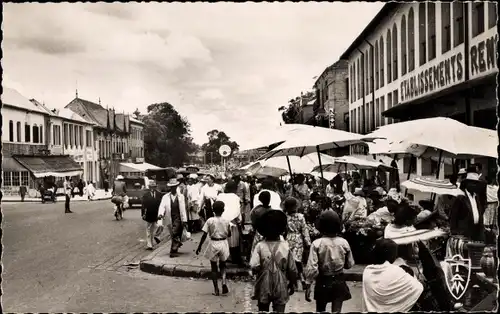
<point>24,149</point>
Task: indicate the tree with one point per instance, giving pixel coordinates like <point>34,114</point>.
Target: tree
<point>216,139</point>
<point>167,136</point>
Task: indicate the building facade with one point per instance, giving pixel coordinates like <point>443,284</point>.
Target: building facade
<point>118,138</point>
<point>27,159</point>
<point>332,94</point>
<point>136,140</point>
<point>424,59</point>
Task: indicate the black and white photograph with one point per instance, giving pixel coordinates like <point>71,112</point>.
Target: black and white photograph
<point>249,157</point>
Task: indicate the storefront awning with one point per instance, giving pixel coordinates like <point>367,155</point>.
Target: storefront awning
<point>131,167</point>
<point>9,164</point>
<point>46,166</point>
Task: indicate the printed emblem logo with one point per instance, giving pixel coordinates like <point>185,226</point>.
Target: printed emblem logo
<point>457,275</point>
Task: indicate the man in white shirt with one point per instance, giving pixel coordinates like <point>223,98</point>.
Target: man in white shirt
<point>173,212</point>
<point>466,214</point>
<point>193,196</point>
<point>208,196</point>
<point>268,185</point>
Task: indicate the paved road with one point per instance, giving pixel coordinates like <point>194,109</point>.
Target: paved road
<point>86,262</point>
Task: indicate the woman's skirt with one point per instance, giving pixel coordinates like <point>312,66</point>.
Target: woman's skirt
<point>331,288</point>
<point>217,251</point>
<point>234,239</point>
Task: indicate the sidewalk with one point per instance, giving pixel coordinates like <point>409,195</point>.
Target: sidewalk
<point>99,195</point>
<point>188,264</point>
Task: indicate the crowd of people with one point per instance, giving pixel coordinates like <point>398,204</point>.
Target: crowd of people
<point>291,232</point>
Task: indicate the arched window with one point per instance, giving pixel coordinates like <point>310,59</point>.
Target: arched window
<point>18,131</point>
<point>394,52</point>
<point>382,61</point>
<point>11,131</point>
<point>370,69</point>
<point>27,133</point>
<point>35,134</point>
<point>376,65</point>
<point>411,40</point>
<point>389,58</point>
<point>359,78</point>
<point>40,130</point>
<point>445,27</point>
<point>422,49</point>
<point>431,22</point>
<point>403,46</point>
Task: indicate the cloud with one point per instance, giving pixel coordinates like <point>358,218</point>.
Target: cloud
<point>225,65</point>
<point>112,9</point>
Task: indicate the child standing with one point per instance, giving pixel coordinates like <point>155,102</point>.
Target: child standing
<point>218,248</point>
<point>274,263</point>
<point>328,257</point>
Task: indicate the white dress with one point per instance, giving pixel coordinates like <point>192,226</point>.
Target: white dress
<point>218,228</point>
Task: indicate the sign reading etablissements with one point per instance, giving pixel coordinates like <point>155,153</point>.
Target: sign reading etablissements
<point>457,275</point>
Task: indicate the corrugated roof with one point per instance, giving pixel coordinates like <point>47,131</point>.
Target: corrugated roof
<point>388,7</point>
<point>68,114</point>
<point>13,98</point>
<point>95,112</point>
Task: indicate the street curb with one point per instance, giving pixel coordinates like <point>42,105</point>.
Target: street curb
<point>39,201</point>
<point>173,270</point>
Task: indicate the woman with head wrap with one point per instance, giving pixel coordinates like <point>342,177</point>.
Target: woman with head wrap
<point>232,213</point>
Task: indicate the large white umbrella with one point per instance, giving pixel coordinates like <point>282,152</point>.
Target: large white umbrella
<point>272,136</point>
<point>350,163</point>
<point>427,185</point>
<point>433,137</point>
<point>316,139</point>
<point>289,164</point>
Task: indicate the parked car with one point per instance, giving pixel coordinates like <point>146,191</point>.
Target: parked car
<point>136,187</point>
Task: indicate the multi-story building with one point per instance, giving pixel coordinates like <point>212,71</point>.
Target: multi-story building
<point>119,139</point>
<point>70,134</point>
<point>27,159</point>
<point>136,140</point>
<point>300,110</point>
<point>332,94</point>
<point>424,59</point>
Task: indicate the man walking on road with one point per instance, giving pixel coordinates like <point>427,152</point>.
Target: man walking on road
<point>149,212</point>
<point>68,188</point>
<point>173,211</point>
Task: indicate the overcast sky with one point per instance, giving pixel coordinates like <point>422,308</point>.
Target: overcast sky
<point>226,66</point>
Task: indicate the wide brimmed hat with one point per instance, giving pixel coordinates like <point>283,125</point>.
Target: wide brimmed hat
<point>358,192</point>
<point>193,176</point>
<point>173,182</point>
<point>180,176</point>
<point>119,177</point>
<point>329,222</point>
<point>272,223</point>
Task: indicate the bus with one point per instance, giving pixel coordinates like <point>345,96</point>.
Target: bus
<point>161,176</point>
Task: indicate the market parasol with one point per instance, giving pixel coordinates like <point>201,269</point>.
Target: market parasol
<point>316,139</point>
<point>435,137</point>
<point>303,164</point>
<point>351,163</point>
<point>271,136</point>
<point>429,185</point>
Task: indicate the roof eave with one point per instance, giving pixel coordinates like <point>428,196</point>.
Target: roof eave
<point>373,23</point>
